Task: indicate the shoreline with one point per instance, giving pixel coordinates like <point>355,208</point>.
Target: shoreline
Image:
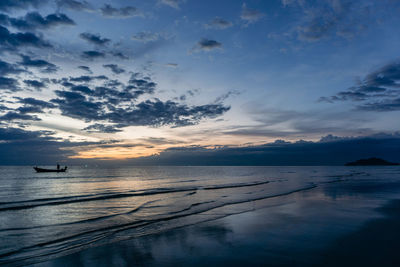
<point>305,228</point>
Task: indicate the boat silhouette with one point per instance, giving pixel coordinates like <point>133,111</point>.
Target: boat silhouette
<point>37,169</point>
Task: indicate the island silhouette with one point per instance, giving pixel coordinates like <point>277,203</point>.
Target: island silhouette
<point>371,162</point>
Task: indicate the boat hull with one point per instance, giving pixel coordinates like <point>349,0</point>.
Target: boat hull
<point>50,170</point>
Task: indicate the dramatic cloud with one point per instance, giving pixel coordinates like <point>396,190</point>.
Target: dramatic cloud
<point>381,88</point>
<point>94,38</point>
<point>123,12</point>
<point>114,68</point>
<point>250,15</point>
<point>43,65</point>
<point>145,37</point>
<point>10,41</point>
<point>18,116</point>
<point>34,20</point>
<point>92,54</point>
<point>29,106</point>
<point>7,68</point>
<point>38,85</point>
<point>8,5</point>
<point>141,85</point>
<point>206,45</point>
<point>119,106</point>
<point>9,84</point>
<point>30,101</point>
<point>219,24</point>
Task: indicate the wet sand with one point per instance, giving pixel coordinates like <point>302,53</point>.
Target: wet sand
<point>339,224</point>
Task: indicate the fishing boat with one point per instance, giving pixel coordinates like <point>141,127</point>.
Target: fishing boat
<point>37,169</point>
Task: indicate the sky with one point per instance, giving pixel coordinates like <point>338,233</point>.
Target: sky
<point>139,80</point>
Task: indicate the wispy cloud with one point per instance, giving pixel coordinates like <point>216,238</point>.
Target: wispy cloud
<point>172,3</point>
<point>249,15</point>
<point>146,37</point>
<point>218,24</point>
<point>206,45</point>
<point>95,39</point>
<point>122,12</point>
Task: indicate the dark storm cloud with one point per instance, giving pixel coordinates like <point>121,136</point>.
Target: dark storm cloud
<point>250,15</point>
<point>41,64</point>
<point>114,68</point>
<point>8,5</point>
<point>9,84</point>
<point>38,85</point>
<point>10,41</point>
<point>381,88</point>
<point>93,54</point>
<point>34,20</point>
<point>207,45</point>
<point>94,38</point>
<point>219,24</point>
<point>85,68</point>
<point>7,68</point>
<point>123,12</point>
<point>101,128</point>
<point>329,150</point>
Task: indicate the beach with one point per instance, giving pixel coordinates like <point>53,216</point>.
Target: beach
<point>322,216</point>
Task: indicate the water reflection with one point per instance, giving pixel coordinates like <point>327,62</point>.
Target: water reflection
<point>186,215</point>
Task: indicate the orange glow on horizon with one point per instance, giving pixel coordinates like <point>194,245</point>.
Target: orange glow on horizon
<point>115,153</point>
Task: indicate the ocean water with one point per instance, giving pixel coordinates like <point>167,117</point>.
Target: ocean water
<point>44,216</point>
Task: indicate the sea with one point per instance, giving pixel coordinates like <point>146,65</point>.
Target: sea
<point>45,216</point>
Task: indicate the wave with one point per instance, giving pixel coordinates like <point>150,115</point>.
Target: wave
<point>27,204</point>
<point>94,235</point>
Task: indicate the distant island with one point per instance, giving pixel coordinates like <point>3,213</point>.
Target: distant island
<point>371,162</point>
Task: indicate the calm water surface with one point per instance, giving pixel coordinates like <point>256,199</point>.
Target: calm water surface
<point>48,215</point>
